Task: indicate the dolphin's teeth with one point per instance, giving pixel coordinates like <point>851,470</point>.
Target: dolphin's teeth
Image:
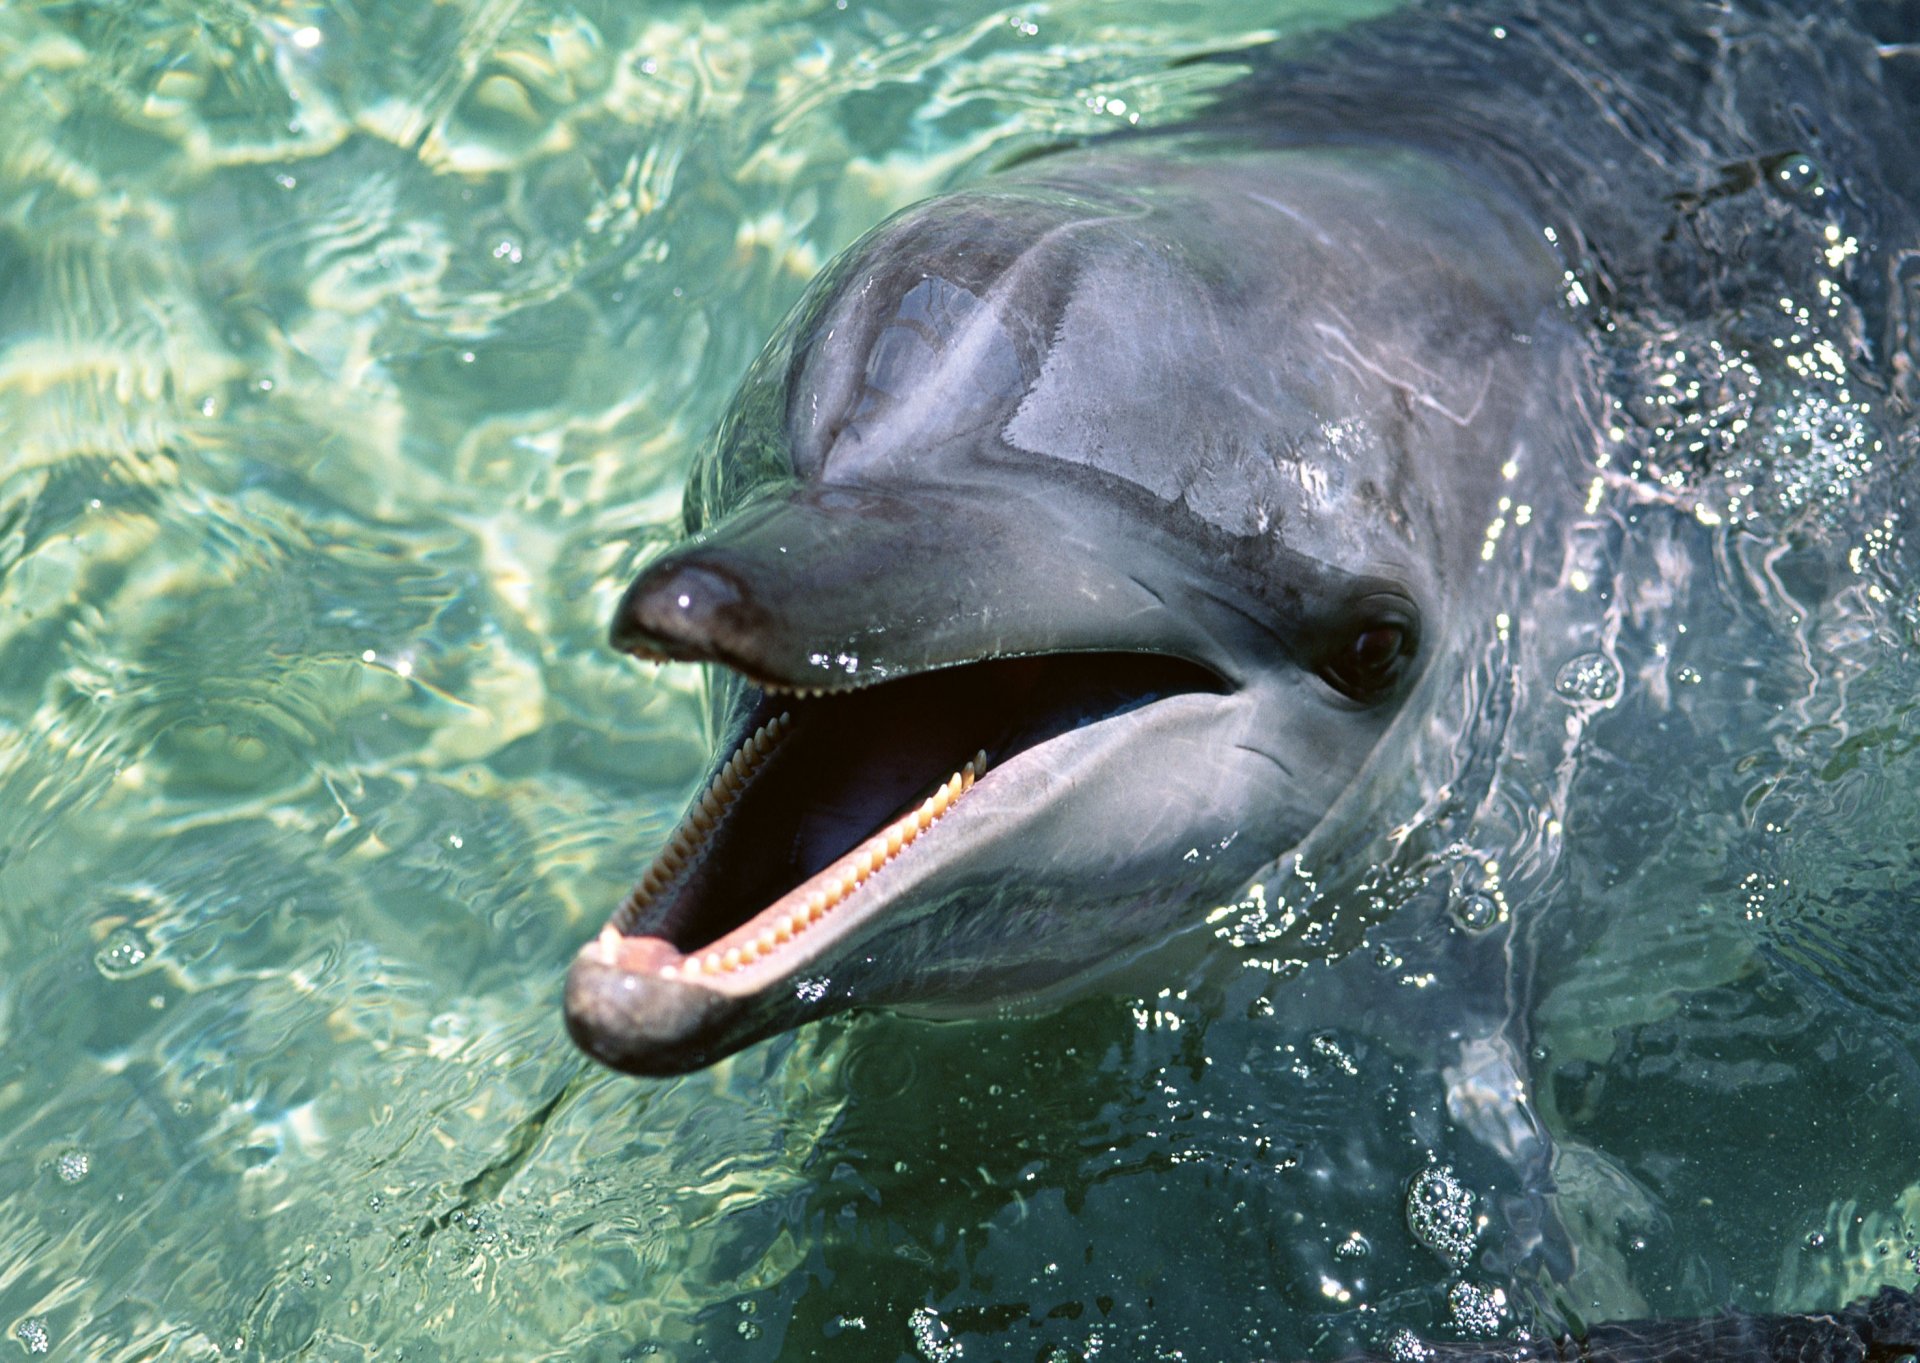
<point>705,813</point>
<point>830,887</point>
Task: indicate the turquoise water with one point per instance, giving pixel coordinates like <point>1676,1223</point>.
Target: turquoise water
<point>350,360</point>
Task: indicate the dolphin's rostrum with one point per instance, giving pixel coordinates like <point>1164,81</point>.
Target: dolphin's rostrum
<point>1065,557</point>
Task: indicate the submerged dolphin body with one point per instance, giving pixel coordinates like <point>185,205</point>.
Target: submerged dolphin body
<point>1880,1329</point>
<point>1073,547</point>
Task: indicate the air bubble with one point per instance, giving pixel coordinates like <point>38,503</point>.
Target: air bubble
<point>931,1338</point>
<point>1440,1214</point>
<point>123,954</point>
<point>1477,1310</point>
<point>72,1166</point>
<point>1476,912</point>
<point>1589,677</point>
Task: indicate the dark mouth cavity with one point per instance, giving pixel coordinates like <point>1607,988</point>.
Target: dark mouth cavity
<point>842,766</point>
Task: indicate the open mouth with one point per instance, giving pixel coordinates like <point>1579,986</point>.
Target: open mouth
<point>825,794</point>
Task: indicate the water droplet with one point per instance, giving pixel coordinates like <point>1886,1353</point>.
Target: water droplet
<point>72,1166</point>
<point>123,954</point>
<point>1590,677</point>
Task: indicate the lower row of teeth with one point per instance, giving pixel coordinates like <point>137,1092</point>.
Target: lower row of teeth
<point>840,880</point>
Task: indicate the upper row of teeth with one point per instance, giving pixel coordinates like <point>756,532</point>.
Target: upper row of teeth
<point>811,692</point>
<point>847,875</point>
<point>720,792</point>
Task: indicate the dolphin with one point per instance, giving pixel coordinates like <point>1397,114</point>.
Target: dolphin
<point>1090,539</point>
<point>1066,557</point>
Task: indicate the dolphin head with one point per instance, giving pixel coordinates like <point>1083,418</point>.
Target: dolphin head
<point>1060,563</point>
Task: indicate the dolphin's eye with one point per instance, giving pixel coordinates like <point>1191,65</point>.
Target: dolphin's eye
<point>1370,662</point>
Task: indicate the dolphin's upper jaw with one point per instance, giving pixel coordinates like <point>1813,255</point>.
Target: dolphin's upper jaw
<point>804,838</point>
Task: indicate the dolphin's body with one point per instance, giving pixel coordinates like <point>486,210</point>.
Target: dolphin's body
<point>1158,475</point>
<point>1163,478</point>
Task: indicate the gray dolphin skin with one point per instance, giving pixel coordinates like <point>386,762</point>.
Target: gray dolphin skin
<point>1067,555</point>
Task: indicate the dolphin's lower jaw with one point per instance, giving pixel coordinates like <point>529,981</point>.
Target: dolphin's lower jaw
<point>829,816</point>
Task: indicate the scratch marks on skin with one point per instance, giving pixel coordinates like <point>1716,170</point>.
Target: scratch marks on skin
<point>1292,215</point>
<point>1285,770</point>
<point>1147,587</point>
<point>1346,353</point>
